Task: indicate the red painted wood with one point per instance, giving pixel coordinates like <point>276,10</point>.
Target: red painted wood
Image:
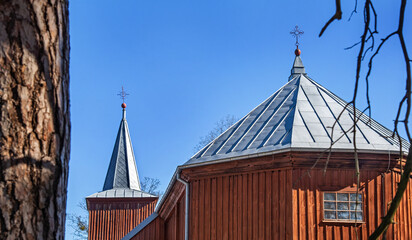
<point>110,218</point>
<point>279,203</point>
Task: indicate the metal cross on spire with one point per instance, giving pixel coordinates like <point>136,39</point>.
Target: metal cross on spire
<point>123,94</point>
<point>297,33</point>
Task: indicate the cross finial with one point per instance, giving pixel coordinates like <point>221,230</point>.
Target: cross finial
<point>123,94</point>
<point>297,33</point>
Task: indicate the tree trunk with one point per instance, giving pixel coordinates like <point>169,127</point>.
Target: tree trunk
<point>34,118</point>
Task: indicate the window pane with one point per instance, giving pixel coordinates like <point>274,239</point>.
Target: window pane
<point>343,206</point>
<point>329,205</point>
<point>329,196</point>
<point>343,197</point>
<point>353,197</point>
<point>358,215</point>
<point>329,215</point>
<point>354,206</point>
<point>343,215</point>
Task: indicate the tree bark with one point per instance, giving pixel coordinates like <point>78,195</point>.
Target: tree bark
<point>34,118</point>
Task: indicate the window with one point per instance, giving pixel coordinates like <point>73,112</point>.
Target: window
<point>342,206</point>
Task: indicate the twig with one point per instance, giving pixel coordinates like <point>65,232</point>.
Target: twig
<point>354,10</point>
<point>336,16</point>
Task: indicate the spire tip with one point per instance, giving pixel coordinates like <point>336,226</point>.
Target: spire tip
<point>297,52</point>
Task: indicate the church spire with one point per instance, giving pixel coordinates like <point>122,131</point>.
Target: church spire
<point>122,172</point>
<point>297,67</point>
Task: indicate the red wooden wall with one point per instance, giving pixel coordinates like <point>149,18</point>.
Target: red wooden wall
<point>114,218</point>
<point>173,225</point>
<point>242,206</point>
<point>378,190</point>
<point>154,230</point>
<point>175,222</point>
<point>274,197</point>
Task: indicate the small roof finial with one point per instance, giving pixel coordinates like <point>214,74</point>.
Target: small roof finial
<point>123,96</point>
<point>297,33</point>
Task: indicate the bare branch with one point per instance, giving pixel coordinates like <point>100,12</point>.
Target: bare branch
<point>354,45</point>
<point>336,16</point>
<point>220,126</point>
<point>375,17</point>
<point>388,219</point>
<point>376,52</point>
<point>151,185</point>
<point>354,10</point>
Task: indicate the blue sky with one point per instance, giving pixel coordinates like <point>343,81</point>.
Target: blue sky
<point>186,64</point>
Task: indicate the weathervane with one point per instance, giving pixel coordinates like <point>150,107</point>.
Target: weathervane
<point>123,96</point>
<point>296,33</point>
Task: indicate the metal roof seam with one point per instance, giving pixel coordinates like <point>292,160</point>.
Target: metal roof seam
<point>306,126</point>
<point>260,114</point>
<point>317,115</point>
<point>280,141</point>
<point>249,128</point>
<point>360,130</point>
<point>262,127</point>
<point>207,147</point>
<point>277,126</point>
<point>268,121</point>
<point>230,135</point>
<point>244,118</point>
<point>336,120</point>
<point>233,133</point>
<point>366,119</point>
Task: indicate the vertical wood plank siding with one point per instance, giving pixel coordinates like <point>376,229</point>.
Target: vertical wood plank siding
<point>377,189</point>
<point>109,219</point>
<point>258,199</point>
<point>244,206</point>
<point>154,230</point>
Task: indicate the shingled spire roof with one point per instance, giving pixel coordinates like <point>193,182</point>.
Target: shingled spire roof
<point>299,116</point>
<point>122,179</point>
<point>122,172</point>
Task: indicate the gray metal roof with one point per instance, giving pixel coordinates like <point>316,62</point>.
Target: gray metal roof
<point>299,115</point>
<point>122,172</point>
<point>121,193</point>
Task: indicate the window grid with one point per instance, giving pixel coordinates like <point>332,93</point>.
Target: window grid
<point>342,206</point>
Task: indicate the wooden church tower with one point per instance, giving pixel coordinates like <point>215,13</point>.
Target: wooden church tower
<point>122,205</point>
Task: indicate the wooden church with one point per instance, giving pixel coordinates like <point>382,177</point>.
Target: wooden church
<point>264,177</point>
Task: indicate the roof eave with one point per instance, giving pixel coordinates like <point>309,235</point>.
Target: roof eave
<point>290,149</point>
